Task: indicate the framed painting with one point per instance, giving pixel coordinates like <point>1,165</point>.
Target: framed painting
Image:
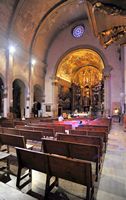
<point>48,108</point>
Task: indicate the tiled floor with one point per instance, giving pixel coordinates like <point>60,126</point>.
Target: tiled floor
<point>112,184</point>
<point>113,178</point>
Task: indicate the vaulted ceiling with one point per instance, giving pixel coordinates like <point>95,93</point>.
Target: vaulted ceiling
<point>34,24</point>
<point>82,66</point>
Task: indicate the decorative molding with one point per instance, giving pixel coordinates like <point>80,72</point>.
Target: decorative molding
<point>113,28</point>
<point>109,9</point>
<point>114,34</point>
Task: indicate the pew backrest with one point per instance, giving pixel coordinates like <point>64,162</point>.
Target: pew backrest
<point>73,150</point>
<point>12,131</point>
<point>12,140</point>
<point>84,139</point>
<point>32,159</point>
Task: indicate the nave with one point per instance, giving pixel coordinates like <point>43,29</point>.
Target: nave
<point>112,183</point>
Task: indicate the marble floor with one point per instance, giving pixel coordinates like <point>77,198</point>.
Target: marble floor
<point>112,183</point>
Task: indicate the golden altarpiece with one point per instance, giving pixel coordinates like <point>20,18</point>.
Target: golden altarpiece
<point>80,82</point>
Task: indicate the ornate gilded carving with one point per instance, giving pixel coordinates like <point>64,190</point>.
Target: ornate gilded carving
<point>77,60</point>
<point>87,76</point>
<point>109,9</point>
<point>107,37</point>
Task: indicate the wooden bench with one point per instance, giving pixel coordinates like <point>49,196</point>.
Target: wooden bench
<point>73,150</point>
<point>84,139</point>
<point>10,131</point>
<point>29,134</point>
<point>93,128</point>
<point>13,140</point>
<point>77,171</point>
<point>49,132</point>
<point>57,128</point>
<point>103,135</point>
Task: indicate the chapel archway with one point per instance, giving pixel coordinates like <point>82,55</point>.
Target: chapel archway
<point>80,82</point>
<point>18,98</point>
<point>1,96</point>
<point>37,101</point>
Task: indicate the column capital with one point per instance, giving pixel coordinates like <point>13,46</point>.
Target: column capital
<point>55,82</point>
<point>107,76</point>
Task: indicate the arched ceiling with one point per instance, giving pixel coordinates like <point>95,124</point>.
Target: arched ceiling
<point>88,76</point>
<point>80,64</point>
<point>33,24</point>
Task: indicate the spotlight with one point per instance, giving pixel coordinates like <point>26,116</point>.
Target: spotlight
<point>12,49</point>
<point>33,61</point>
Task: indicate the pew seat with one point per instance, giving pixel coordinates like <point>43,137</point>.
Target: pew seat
<point>74,170</point>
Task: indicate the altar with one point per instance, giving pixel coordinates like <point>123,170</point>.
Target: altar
<point>84,114</point>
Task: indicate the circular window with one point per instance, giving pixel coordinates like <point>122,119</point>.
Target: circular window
<point>78,31</point>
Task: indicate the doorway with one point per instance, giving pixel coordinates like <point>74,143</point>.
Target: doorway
<point>18,108</point>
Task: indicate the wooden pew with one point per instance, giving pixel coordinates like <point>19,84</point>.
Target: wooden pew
<point>103,135</point>
<point>102,122</point>
<point>73,150</point>
<point>93,128</point>
<point>84,139</point>
<point>30,134</point>
<point>50,132</point>
<point>57,128</point>
<point>12,131</point>
<point>35,135</point>
<point>67,126</point>
<point>74,170</point>
<point>13,140</point>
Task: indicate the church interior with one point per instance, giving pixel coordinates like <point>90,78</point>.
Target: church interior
<point>63,99</point>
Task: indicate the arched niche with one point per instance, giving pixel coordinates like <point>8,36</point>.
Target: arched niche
<point>1,97</point>
<point>37,98</point>
<point>78,70</point>
<point>18,102</point>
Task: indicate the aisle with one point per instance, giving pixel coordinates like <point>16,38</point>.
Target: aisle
<point>113,179</point>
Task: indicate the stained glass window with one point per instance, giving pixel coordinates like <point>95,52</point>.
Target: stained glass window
<point>78,31</point>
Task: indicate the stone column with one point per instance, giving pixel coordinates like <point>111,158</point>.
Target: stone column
<point>27,106</point>
<point>5,103</point>
<point>55,98</point>
<point>107,94</point>
<point>29,96</point>
<point>125,78</point>
<point>8,96</point>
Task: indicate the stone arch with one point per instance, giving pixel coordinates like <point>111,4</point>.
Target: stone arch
<point>37,98</point>
<point>52,80</point>
<point>1,96</point>
<point>18,107</point>
<point>77,59</point>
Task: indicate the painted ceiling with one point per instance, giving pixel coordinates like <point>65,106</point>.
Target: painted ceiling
<point>81,66</point>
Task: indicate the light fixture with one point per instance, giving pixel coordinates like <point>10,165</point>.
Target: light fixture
<point>12,49</point>
<point>33,61</point>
